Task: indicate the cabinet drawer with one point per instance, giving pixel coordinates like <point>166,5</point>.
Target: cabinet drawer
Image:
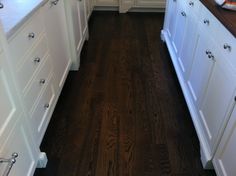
<point>41,113</point>
<point>32,62</point>
<point>209,23</point>
<point>25,37</point>
<point>194,5</point>
<point>227,45</point>
<point>37,84</point>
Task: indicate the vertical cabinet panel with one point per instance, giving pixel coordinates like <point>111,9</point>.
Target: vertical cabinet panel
<point>224,159</point>
<point>218,99</point>
<point>82,16</point>
<point>55,23</point>
<point>201,69</point>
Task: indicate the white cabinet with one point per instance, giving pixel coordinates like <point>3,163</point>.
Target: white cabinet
<point>190,37</point>
<point>201,67</point>
<point>106,2</point>
<point>203,55</point>
<point>224,159</point>
<point>56,30</point>
<point>150,3</point>
<point>78,28</point>
<point>218,99</point>
<point>14,133</point>
<point>180,26</point>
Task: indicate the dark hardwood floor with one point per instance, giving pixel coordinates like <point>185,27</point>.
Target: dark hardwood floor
<point>123,113</point>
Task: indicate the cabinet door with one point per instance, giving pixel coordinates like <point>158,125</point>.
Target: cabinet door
<point>171,17</point>
<point>190,38</point>
<point>19,141</point>
<point>106,2</point>
<point>218,99</point>
<point>224,159</point>
<point>201,68</point>
<point>55,23</point>
<point>11,112</point>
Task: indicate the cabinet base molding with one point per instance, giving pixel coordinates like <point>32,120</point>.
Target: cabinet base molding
<point>43,160</point>
<point>206,156</point>
<point>106,8</point>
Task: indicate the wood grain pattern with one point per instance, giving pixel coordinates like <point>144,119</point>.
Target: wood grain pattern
<point>123,113</point>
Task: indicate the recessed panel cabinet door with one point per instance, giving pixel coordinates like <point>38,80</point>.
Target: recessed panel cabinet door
<point>13,135</point>
<point>180,27</point>
<point>218,100</point>
<point>224,159</point>
<point>201,68</point>
<point>55,23</point>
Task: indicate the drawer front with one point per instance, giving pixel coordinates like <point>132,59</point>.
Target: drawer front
<point>37,84</point>
<point>32,62</point>
<point>24,39</point>
<point>41,114</point>
<point>209,22</point>
<point>194,5</point>
<point>227,45</point>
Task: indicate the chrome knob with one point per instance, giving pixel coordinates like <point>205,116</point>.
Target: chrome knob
<point>42,81</point>
<point>54,2</point>
<point>1,5</point>
<point>208,52</point>
<point>31,35</point>
<point>14,155</point>
<point>46,106</point>
<point>227,46</point>
<point>183,13</point>
<point>206,22</point>
<point>37,60</point>
<point>191,3</point>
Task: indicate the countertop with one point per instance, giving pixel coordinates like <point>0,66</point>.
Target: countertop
<point>16,12</point>
<point>226,17</point>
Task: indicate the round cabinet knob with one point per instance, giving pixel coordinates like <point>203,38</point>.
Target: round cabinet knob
<point>191,3</point>
<point>183,13</point>
<point>14,155</point>
<point>31,35</point>
<point>227,47</point>
<point>37,60</point>
<point>206,22</point>
<point>54,2</point>
<point>42,81</point>
<point>1,6</point>
<point>208,52</point>
<point>46,106</point>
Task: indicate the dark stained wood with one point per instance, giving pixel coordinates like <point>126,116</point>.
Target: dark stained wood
<point>122,113</point>
<point>226,17</point>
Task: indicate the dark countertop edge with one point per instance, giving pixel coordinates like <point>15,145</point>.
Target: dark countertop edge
<point>226,17</point>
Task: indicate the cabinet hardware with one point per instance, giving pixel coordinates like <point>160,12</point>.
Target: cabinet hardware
<point>206,22</point>
<point>227,46</point>
<point>1,5</point>
<point>208,52</point>
<point>37,60</point>
<point>46,106</point>
<point>31,35</point>
<point>42,81</point>
<point>183,13</point>
<point>11,161</point>
<point>174,0</point>
<point>191,3</point>
<point>54,2</point>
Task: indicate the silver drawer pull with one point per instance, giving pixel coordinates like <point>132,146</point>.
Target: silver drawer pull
<point>1,6</point>
<point>46,106</point>
<point>11,161</point>
<point>37,60</point>
<point>208,52</point>
<point>206,22</point>
<point>227,46</point>
<point>54,2</point>
<point>191,3</point>
<point>31,35</point>
<point>42,81</point>
<point>183,13</point>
